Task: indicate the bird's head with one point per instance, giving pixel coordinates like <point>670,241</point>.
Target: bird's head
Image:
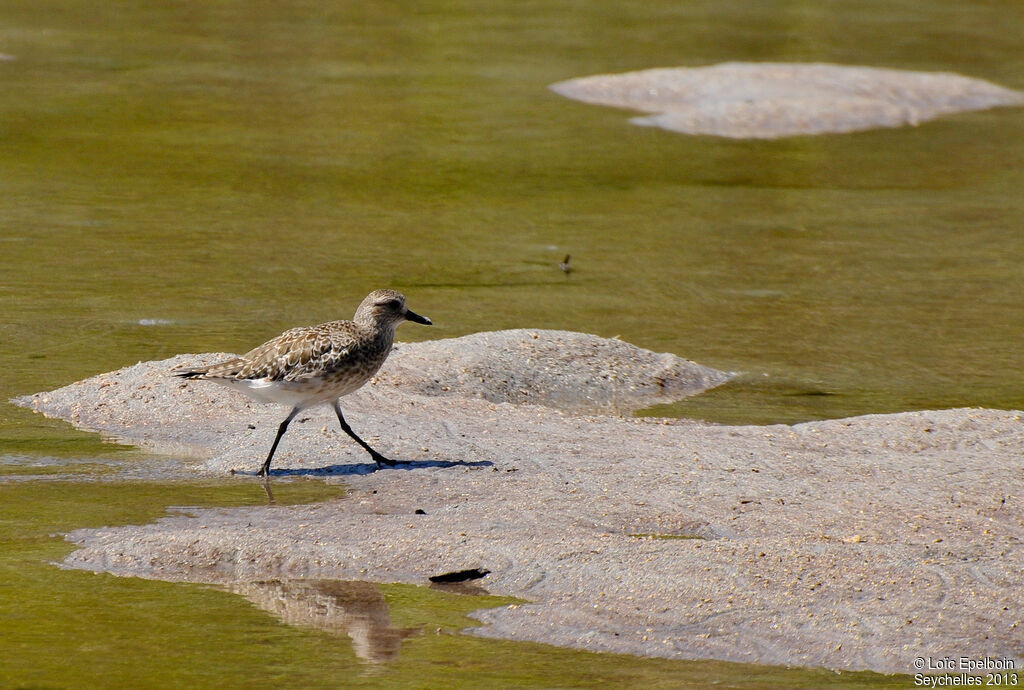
<point>387,307</point>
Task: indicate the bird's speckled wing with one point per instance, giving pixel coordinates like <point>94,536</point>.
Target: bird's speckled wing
<point>294,355</point>
<point>299,353</point>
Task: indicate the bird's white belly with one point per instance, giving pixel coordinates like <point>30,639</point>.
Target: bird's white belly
<point>292,393</point>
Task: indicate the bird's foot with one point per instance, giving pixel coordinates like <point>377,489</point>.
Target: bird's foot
<point>381,460</point>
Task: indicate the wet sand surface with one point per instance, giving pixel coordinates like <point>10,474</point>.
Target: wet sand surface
<point>858,543</point>
<point>768,100</point>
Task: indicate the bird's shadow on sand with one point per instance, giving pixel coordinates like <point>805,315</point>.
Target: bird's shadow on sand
<point>363,468</point>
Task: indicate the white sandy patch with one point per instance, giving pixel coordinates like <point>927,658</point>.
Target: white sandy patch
<point>772,100</point>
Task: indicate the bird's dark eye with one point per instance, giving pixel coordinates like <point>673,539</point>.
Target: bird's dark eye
<point>393,304</point>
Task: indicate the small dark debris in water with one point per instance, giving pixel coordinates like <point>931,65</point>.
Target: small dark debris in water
<point>460,575</point>
<point>420,511</point>
<point>252,426</point>
<point>813,393</point>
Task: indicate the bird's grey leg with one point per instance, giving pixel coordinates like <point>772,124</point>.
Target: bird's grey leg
<point>265,470</point>
<point>377,457</point>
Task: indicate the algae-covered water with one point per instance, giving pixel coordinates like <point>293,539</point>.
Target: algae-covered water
<point>183,177</point>
<point>74,629</point>
<point>180,177</point>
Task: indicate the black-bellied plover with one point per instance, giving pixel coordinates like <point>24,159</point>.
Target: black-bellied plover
<point>315,365</point>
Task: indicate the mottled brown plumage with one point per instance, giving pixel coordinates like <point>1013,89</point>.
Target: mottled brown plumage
<point>318,364</point>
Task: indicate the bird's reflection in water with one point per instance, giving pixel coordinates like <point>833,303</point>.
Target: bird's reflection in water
<point>353,608</point>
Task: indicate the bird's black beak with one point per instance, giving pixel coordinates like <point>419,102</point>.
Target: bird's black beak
<point>413,316</point>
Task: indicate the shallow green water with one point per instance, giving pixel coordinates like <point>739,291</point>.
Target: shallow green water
<point>65,628</point>
<point>227,170</point>
<point>183,177</point>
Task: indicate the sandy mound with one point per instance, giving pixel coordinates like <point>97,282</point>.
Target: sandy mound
<point>770,100</point>
<point>570,371</point>
<point>146,406</point>
<point>850,544</point>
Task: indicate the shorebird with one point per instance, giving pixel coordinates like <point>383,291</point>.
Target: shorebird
<point>564,265</point>
<point>315,365</point>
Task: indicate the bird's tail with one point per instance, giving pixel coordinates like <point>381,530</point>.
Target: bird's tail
<point>190,373</point>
